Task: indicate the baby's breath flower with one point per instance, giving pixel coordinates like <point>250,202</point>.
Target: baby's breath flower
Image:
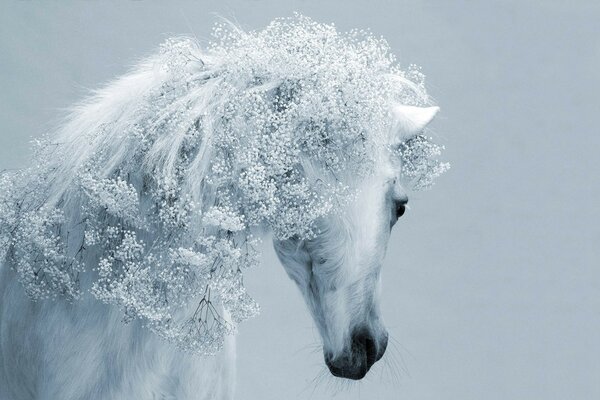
<point>268,130</point>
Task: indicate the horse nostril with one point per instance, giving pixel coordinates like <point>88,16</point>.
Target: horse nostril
<point>371,350</point>
<point>363,342</point>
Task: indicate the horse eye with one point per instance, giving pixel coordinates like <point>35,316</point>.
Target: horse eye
<point>400,206</point>
<point>400,210</point>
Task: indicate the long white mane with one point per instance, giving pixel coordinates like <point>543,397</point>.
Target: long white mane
<point>154,192</point>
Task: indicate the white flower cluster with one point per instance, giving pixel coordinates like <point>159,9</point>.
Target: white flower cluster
<point>267,130</point>
<point>114,196</point>
<point>8,212</point>
<point>40,260</point>
<point>420,166</point>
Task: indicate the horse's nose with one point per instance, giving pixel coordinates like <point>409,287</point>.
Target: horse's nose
<point>364,351</point>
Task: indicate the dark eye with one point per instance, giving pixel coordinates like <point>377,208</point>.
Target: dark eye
<point>400,206</point>
<point>400,209</point>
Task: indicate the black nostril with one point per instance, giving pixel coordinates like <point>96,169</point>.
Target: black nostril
<point>365,343</point>
<point>371,350</point>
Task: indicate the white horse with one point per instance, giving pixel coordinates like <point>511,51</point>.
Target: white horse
<point>81,349</point>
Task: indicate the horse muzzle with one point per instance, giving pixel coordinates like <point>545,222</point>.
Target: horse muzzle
<point>355,361</point>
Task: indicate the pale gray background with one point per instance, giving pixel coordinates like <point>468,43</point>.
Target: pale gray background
<point>491,282</point>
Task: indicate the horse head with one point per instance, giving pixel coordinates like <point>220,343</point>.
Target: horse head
<point>338,271</point>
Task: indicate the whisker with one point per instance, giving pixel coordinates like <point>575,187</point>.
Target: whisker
<point>399,350</point>
<point>311,347</point>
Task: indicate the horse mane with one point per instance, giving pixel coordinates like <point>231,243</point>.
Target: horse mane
<point>160,183</point>
<point>106,120</point>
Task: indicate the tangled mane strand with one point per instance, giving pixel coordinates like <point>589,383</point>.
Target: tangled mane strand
<point>163,179</point>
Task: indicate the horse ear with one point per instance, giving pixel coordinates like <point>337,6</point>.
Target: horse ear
<point>411,120</point>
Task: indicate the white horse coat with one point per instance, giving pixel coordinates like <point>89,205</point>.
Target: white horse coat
<point>82,350</point>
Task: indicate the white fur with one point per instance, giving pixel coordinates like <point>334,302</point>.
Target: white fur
<point>56,350</point>
<point>338,272</point>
